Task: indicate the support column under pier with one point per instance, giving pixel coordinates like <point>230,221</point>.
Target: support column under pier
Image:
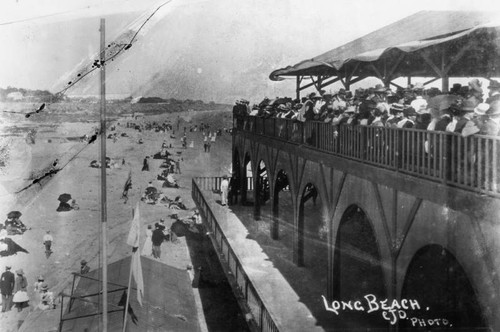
<point>257,187</point>
<point>276,216</point>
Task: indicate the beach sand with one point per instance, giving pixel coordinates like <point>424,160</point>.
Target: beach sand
<point>76,233</point>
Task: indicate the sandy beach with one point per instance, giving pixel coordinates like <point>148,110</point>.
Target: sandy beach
<point>76,233</point>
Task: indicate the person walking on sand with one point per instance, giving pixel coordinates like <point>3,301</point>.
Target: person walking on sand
<point>205,142</point>
<point>147,250</point>
<point>7,283</point>
<point>178,166</point>
<point>224,188</point>
<point>20,298</point>
<point>145,164</point>
<point>47,241</point>
<point>157,239</point>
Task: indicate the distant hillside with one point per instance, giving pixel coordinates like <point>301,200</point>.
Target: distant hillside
<point>89,111</point>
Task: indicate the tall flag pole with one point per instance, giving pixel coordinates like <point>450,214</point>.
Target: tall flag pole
<point>103,181</point>
<point>135,262</point>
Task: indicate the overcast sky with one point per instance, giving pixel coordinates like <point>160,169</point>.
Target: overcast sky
<point>320,24</point>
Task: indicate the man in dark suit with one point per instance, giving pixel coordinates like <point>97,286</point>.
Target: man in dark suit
<point>7,286</point>
<point>494,94</point>
<point>491,126</point>
<point>157,238</point>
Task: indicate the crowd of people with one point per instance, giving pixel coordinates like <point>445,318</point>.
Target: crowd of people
<point>14,287</point>
<point>463,110</point>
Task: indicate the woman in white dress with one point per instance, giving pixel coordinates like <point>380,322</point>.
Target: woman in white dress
<point>147,250</point>
<point>21,298</point>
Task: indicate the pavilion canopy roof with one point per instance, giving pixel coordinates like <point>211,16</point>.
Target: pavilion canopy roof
<point>428,43</point>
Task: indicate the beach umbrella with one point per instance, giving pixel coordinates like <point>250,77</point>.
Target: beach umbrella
<point>14,214</point>
<point>64,198</point>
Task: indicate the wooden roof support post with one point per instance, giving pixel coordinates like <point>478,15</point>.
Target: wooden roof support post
<point>445,83</point>
<point>297,88</point>
<point>318,86</point>
<point>327,83</point>
<point>377,72</point>
<point>394,68</point>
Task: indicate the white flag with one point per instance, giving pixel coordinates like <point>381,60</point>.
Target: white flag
<point>137,273</point>
<point>135,263</point>
<point>135,229</point>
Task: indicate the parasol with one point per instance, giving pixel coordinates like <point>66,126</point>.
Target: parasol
<point>14,214</point>
<point>64,198</point>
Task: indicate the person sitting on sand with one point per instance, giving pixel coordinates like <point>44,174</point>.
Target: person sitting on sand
<point>14,226</point>
<point>177,204</point>
<point>74,205</point>
<point>170,182</point>
<point>47,300</point>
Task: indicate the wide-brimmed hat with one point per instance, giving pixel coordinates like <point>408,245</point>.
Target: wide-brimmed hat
<point>475,85</point>
<point>481,108</point>
<point>350,109</point>
<point>44,286</point>
<point>41,278</point>
<point>456,87</point>
<point>379,88</point>
<point>83,262</point>
<point>467,106</point>
<point>494,85</point>
<point>410,111</point>
<point>397,107</point>
<point>20,272</point>
<point>311,95</point>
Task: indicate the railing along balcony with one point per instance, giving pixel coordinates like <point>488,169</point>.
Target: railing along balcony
<point>467,162</point>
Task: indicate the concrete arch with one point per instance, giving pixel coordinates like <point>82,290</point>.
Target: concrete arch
<point>439,283</point>
<point>366,263</point>
<point>247,159</point>
<point>456,233</point>
<point>282,180</point>
<point>306,230</point>
<point>261,182</point>
<point>282,164</point>
<point>356,191</point>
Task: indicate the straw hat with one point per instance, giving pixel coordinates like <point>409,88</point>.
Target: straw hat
<point>481,108</point>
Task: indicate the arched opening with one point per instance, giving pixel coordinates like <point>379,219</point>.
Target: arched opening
<point>235,179</point>
<point>312,230</point>
<point>262,192</point>
<point>357,269</point>
<point>437,281</point>
<point>247,182</point>
<point>281,194</point>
